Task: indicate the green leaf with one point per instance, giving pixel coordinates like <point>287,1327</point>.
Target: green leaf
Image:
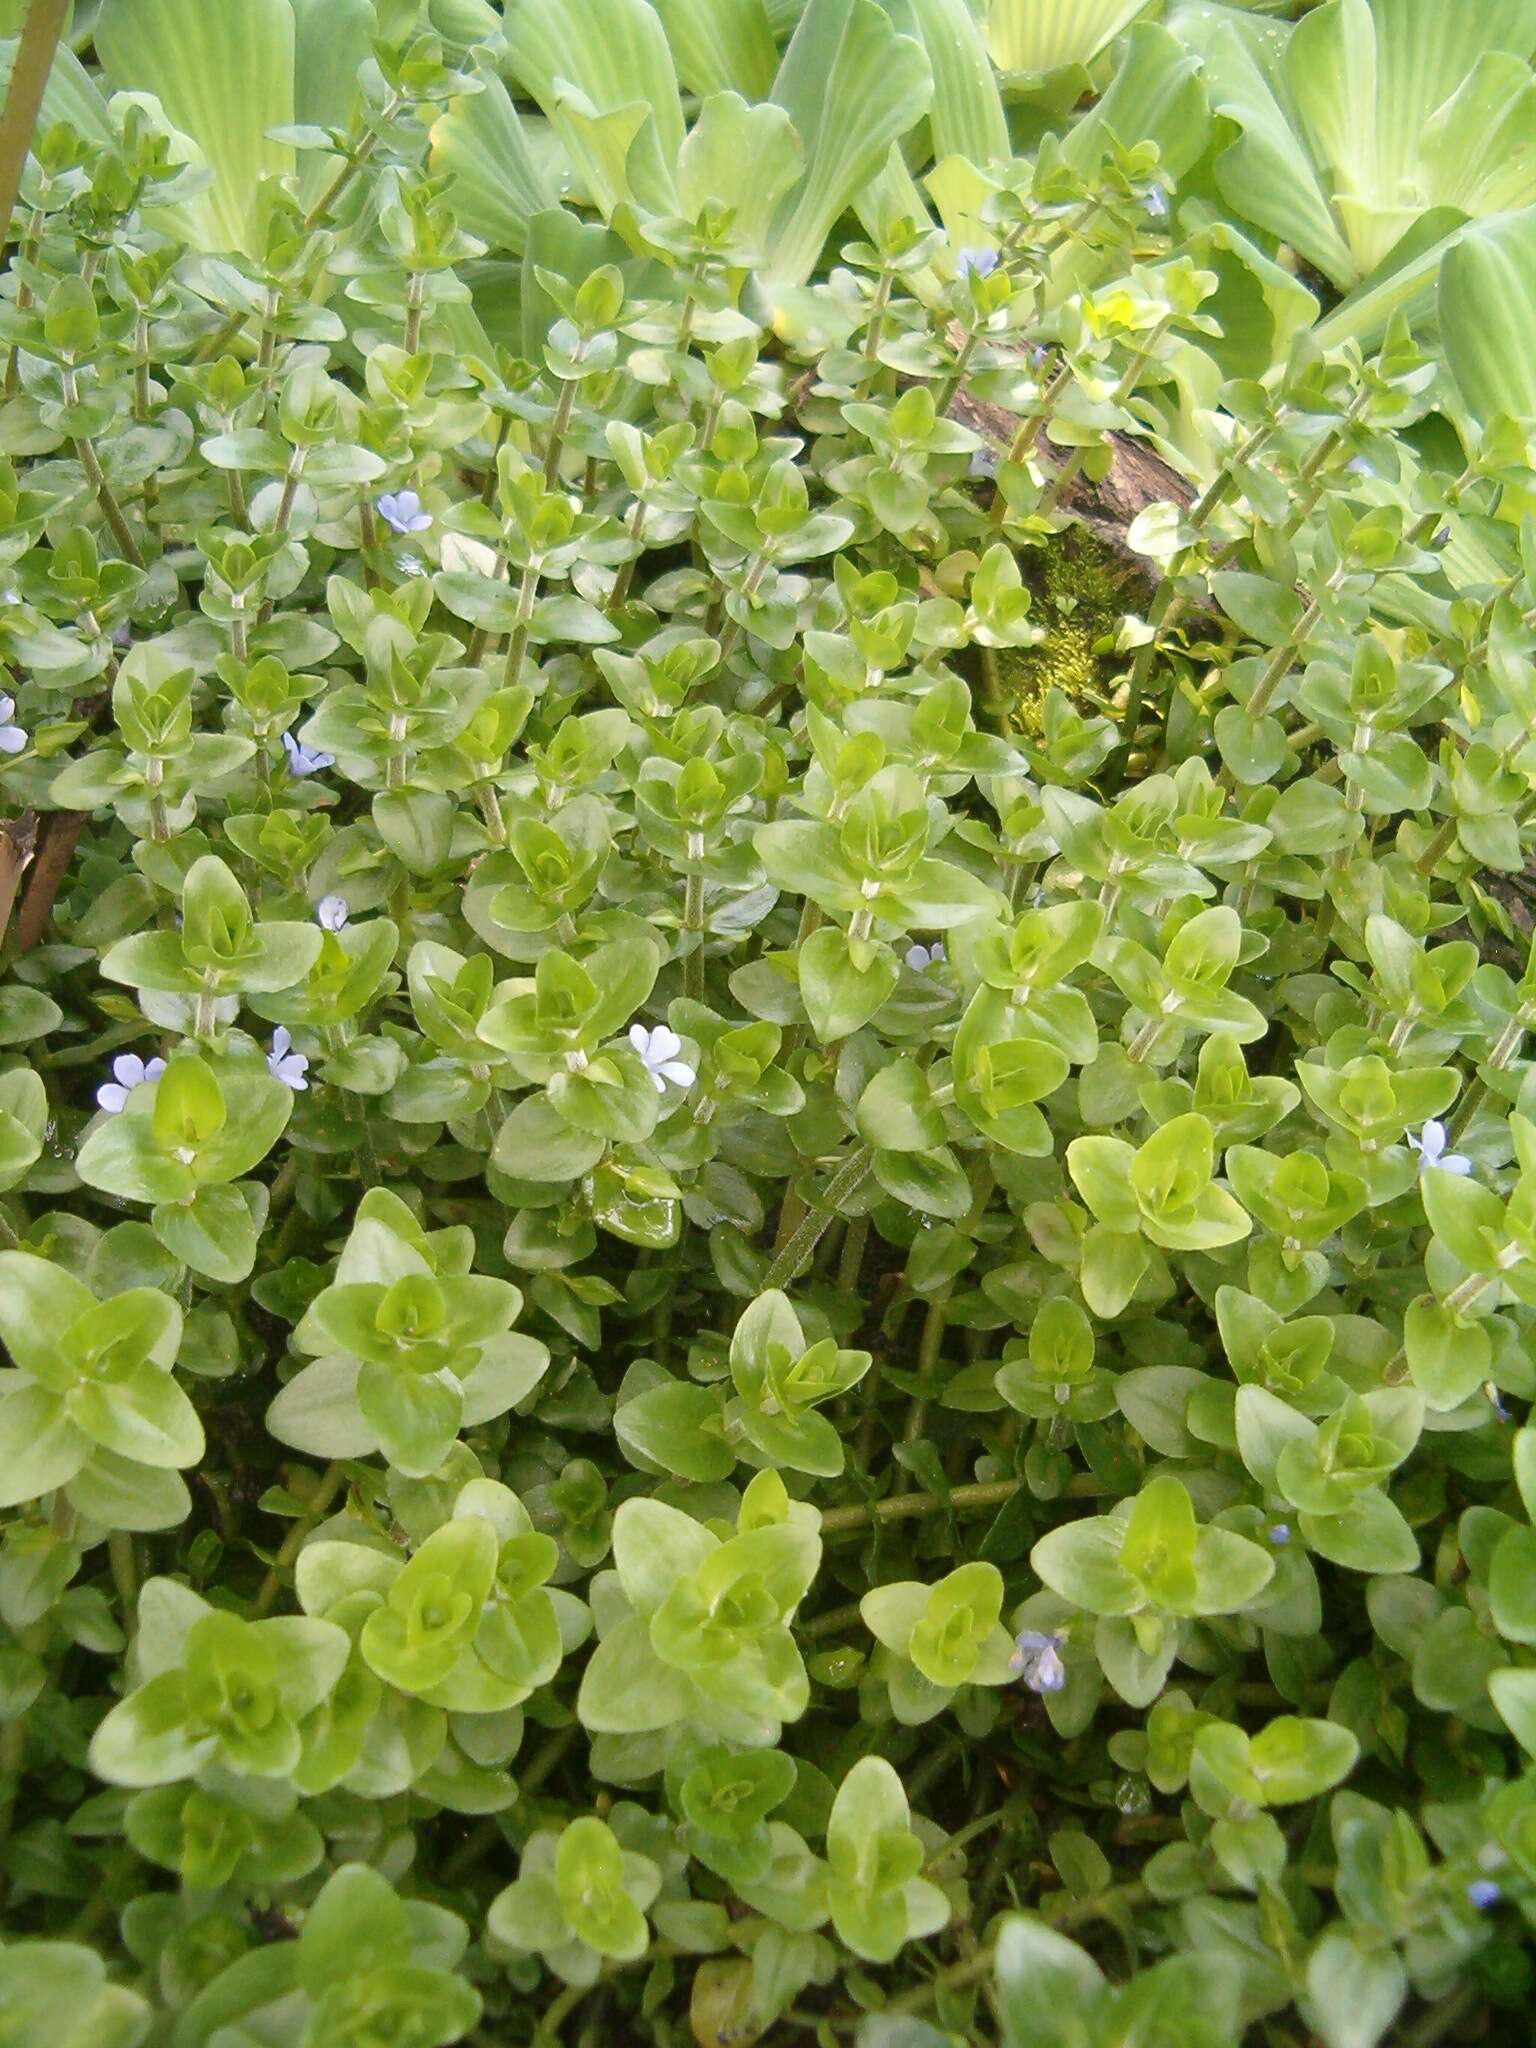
<point>1042,35</point>
<point>676,1428</point>
<point>1364,116</point>
<point>214,1232</point>
<point>745,158</point>
<point>1047,1987</point>
<point>498,186</point>
<point>720,45</point>
<point>592,64</point>
<point>1355,1989</point>
<point>966,117</point>
<point>224,76</point>
<point>852,87</point>
<point>1486,302</point>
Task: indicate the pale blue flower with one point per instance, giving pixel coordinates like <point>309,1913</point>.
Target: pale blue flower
<point>982,261</point>
<point>284,1064</point>
<point>1430,1145</point>
<point>1280,1534</point>
<point>1037,1660</point>
<point>658,1050</point>
<point>12,738</point>
<point>1157,203</point>
<point>302,761</point>
<point>1483,1893</point>
<point>128,1073</point>
<point>920,958</point>
<point>402,511</point>
<point>332,913</point>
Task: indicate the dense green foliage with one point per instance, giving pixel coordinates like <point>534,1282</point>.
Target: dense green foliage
<point>767,1165</point>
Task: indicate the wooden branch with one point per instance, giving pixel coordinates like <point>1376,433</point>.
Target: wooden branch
<point>1138,477</point>
<point>18,837</point>
<point>57,837</point>
<point>24,98</point>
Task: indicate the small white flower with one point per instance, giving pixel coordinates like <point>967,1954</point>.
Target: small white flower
<point>12,738</point>
<point>1430,1145</point>
<point>128,1070</point>
<point>983,463</point>
<point>302,761</point>
<point>658,1050</point>
<point>284,1064</point>
<point>1037,1660</point>
<point>920,958</point>
<point>1157,202</point>
<point>402,511</point>
<point>458,551</point>
<point>332,913</point>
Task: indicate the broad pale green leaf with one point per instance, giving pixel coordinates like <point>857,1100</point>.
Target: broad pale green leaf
<point>601,70</point>
<point>1486,303</point>
<point>742,157</point>
<point>1368,114</point>
<point>40,1448</point>
<point>966,116</point>
<point>852,86</point>
<point>1042,35</point>
<point>224,76</point>
<point>721,45</point>
<point>71,94</point>
<point>497,185</point>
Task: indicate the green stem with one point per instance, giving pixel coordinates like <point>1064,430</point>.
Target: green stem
<point>319,1501</point>
<point>557,432</point>
<point>1028,434</point>
<point>874,332</point>
<point>414,293</point>
<point>349,170</point>
<point>125,1574</point>
<point>517,646</point>
<point>24,98</point>
<point>693,933</point>
<point>847,1180</point>
<point>112,512</point>
<point>985,1493</point>
<point>973,1969</point>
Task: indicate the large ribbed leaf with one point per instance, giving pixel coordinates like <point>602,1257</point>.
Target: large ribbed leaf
<point>1368,114</point>
<point>965,117</point>
<point>1487,301</point>
<point>1042,35</point>
<point>332,40</point>
<point>497,186</point>
<point>224,76</point>
<point>721,45</point>
<point>852,86</point>
<point>742,157</point>
<point>70,95</point>
<point>1156,95</point>
<point>223,73</point>
<point>602,71</point>
<point>1404,283</point>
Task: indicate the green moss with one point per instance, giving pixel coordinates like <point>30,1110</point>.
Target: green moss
<point>1080,598</point>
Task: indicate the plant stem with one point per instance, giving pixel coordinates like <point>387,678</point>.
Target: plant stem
<point>319,1501</point>
<point>985,1493</point>
<point>847,1180</point>
<point>693,931</point>
<point>413,298</point>
<point>125,1574</point>
<point>557,432</point>
<point>24,98</point>
<point>517,646</point>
